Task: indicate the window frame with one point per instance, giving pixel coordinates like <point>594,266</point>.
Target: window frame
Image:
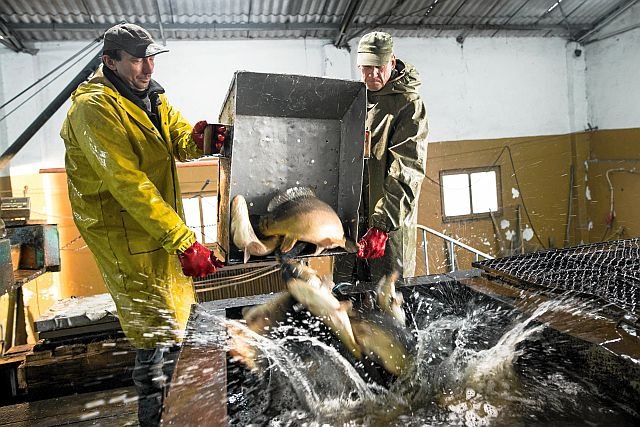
<point>468,172</point>
<point>201,229</point>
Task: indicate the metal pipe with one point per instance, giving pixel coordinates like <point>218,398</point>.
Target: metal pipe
<point>567,234</point>
<point>424,250</point>
<point>46,114</point>
<point>451,239</point>
<point>452,256</point>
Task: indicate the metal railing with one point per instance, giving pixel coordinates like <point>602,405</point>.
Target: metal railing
<point>452,243</point>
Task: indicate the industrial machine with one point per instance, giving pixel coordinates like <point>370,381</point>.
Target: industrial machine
<point>291,131</point>
<point>28,249</point>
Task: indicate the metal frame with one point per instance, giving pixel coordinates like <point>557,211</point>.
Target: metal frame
<point>452,244</point>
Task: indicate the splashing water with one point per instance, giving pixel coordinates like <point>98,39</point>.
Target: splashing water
<point>477,363</point>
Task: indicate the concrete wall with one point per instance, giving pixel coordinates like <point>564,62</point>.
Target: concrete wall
<point>613,61</point>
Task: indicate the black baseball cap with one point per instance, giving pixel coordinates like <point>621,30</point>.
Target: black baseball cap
<point>133,39</point>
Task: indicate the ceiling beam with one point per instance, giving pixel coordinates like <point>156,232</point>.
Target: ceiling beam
<point>606,19</point>
<point>295,27</point>
<point>347,20</point>
<point>10,40</point>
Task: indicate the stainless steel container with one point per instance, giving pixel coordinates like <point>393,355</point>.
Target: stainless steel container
<point>290,131</point>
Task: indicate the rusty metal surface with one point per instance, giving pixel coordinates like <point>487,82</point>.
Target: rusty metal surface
<point>198,392</point>
<point>607,270</point>
<point>40,246</point>
<point>7,279</point>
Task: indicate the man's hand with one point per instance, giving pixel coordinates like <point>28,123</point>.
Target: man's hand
<point>372,244</point>
<point>198,133</point>
<point>198,261</point>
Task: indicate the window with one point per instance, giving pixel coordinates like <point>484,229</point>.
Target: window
<point>470,193</point>
<point>201,216</point>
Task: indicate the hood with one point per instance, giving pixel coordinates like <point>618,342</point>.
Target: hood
<point>97,83</point>
<point>407,81</point>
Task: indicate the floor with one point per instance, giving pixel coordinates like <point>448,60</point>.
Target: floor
<point>111,408</point>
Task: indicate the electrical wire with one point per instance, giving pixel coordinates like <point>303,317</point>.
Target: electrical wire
<point>97,40</point>
<point>515,177</point>
<point>44,86</point>
<point>612,212</point>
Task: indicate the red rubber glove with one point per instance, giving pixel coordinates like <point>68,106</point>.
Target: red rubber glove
<point>198,133</point>
<point>372,244</point>
<point>198,261</point>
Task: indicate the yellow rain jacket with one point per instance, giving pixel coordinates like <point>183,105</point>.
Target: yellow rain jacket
<point>125,196</point>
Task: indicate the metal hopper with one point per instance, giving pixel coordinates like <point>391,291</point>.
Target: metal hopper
<point>289,131</point>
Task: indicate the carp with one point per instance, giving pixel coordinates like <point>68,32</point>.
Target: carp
<point>384,341</point>
<point>390,300</point>
<point>315,295</point>
<point>262,318</point>
<point>297,214</point>
<point>243,235</point>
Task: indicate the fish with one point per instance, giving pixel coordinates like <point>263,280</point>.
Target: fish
<point>390,300</point>
<point>315,295</point>
<point>384,341</point>
<point>262,318</point>
<point>243,234</point>
<point>297,214</point>
<point>241,346</point>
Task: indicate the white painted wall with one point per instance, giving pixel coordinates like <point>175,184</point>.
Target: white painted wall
<point>487,88</point>
<point>496,87</point>
<point>613,64</point>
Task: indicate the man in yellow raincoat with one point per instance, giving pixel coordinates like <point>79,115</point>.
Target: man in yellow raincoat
<point>122,139</point>
<point>397,123</point>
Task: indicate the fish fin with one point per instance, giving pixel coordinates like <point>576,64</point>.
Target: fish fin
<point>287,244</point>
<point>350,246</point>
<point>347,306</point>
<point>327,283</point>
<point>247,255</point>
<point>381,295</point>
<point>341,317</point>
<point>288,195</point>
<point>319,250</point>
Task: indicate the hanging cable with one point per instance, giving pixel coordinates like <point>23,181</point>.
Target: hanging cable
<point>515,177</point>
<point>44,86</point>
<point>611,215</point>
<point>97,40</point>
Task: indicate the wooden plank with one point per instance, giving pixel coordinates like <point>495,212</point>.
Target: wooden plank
<point>198,393</point>
<point>117,407</point>
<point>77,366</point>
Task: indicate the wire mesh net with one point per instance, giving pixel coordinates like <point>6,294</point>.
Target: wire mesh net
<point>607,270</point>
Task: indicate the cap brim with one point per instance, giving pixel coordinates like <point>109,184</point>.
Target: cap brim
<point>373,59</point>
<point>154,49</point>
